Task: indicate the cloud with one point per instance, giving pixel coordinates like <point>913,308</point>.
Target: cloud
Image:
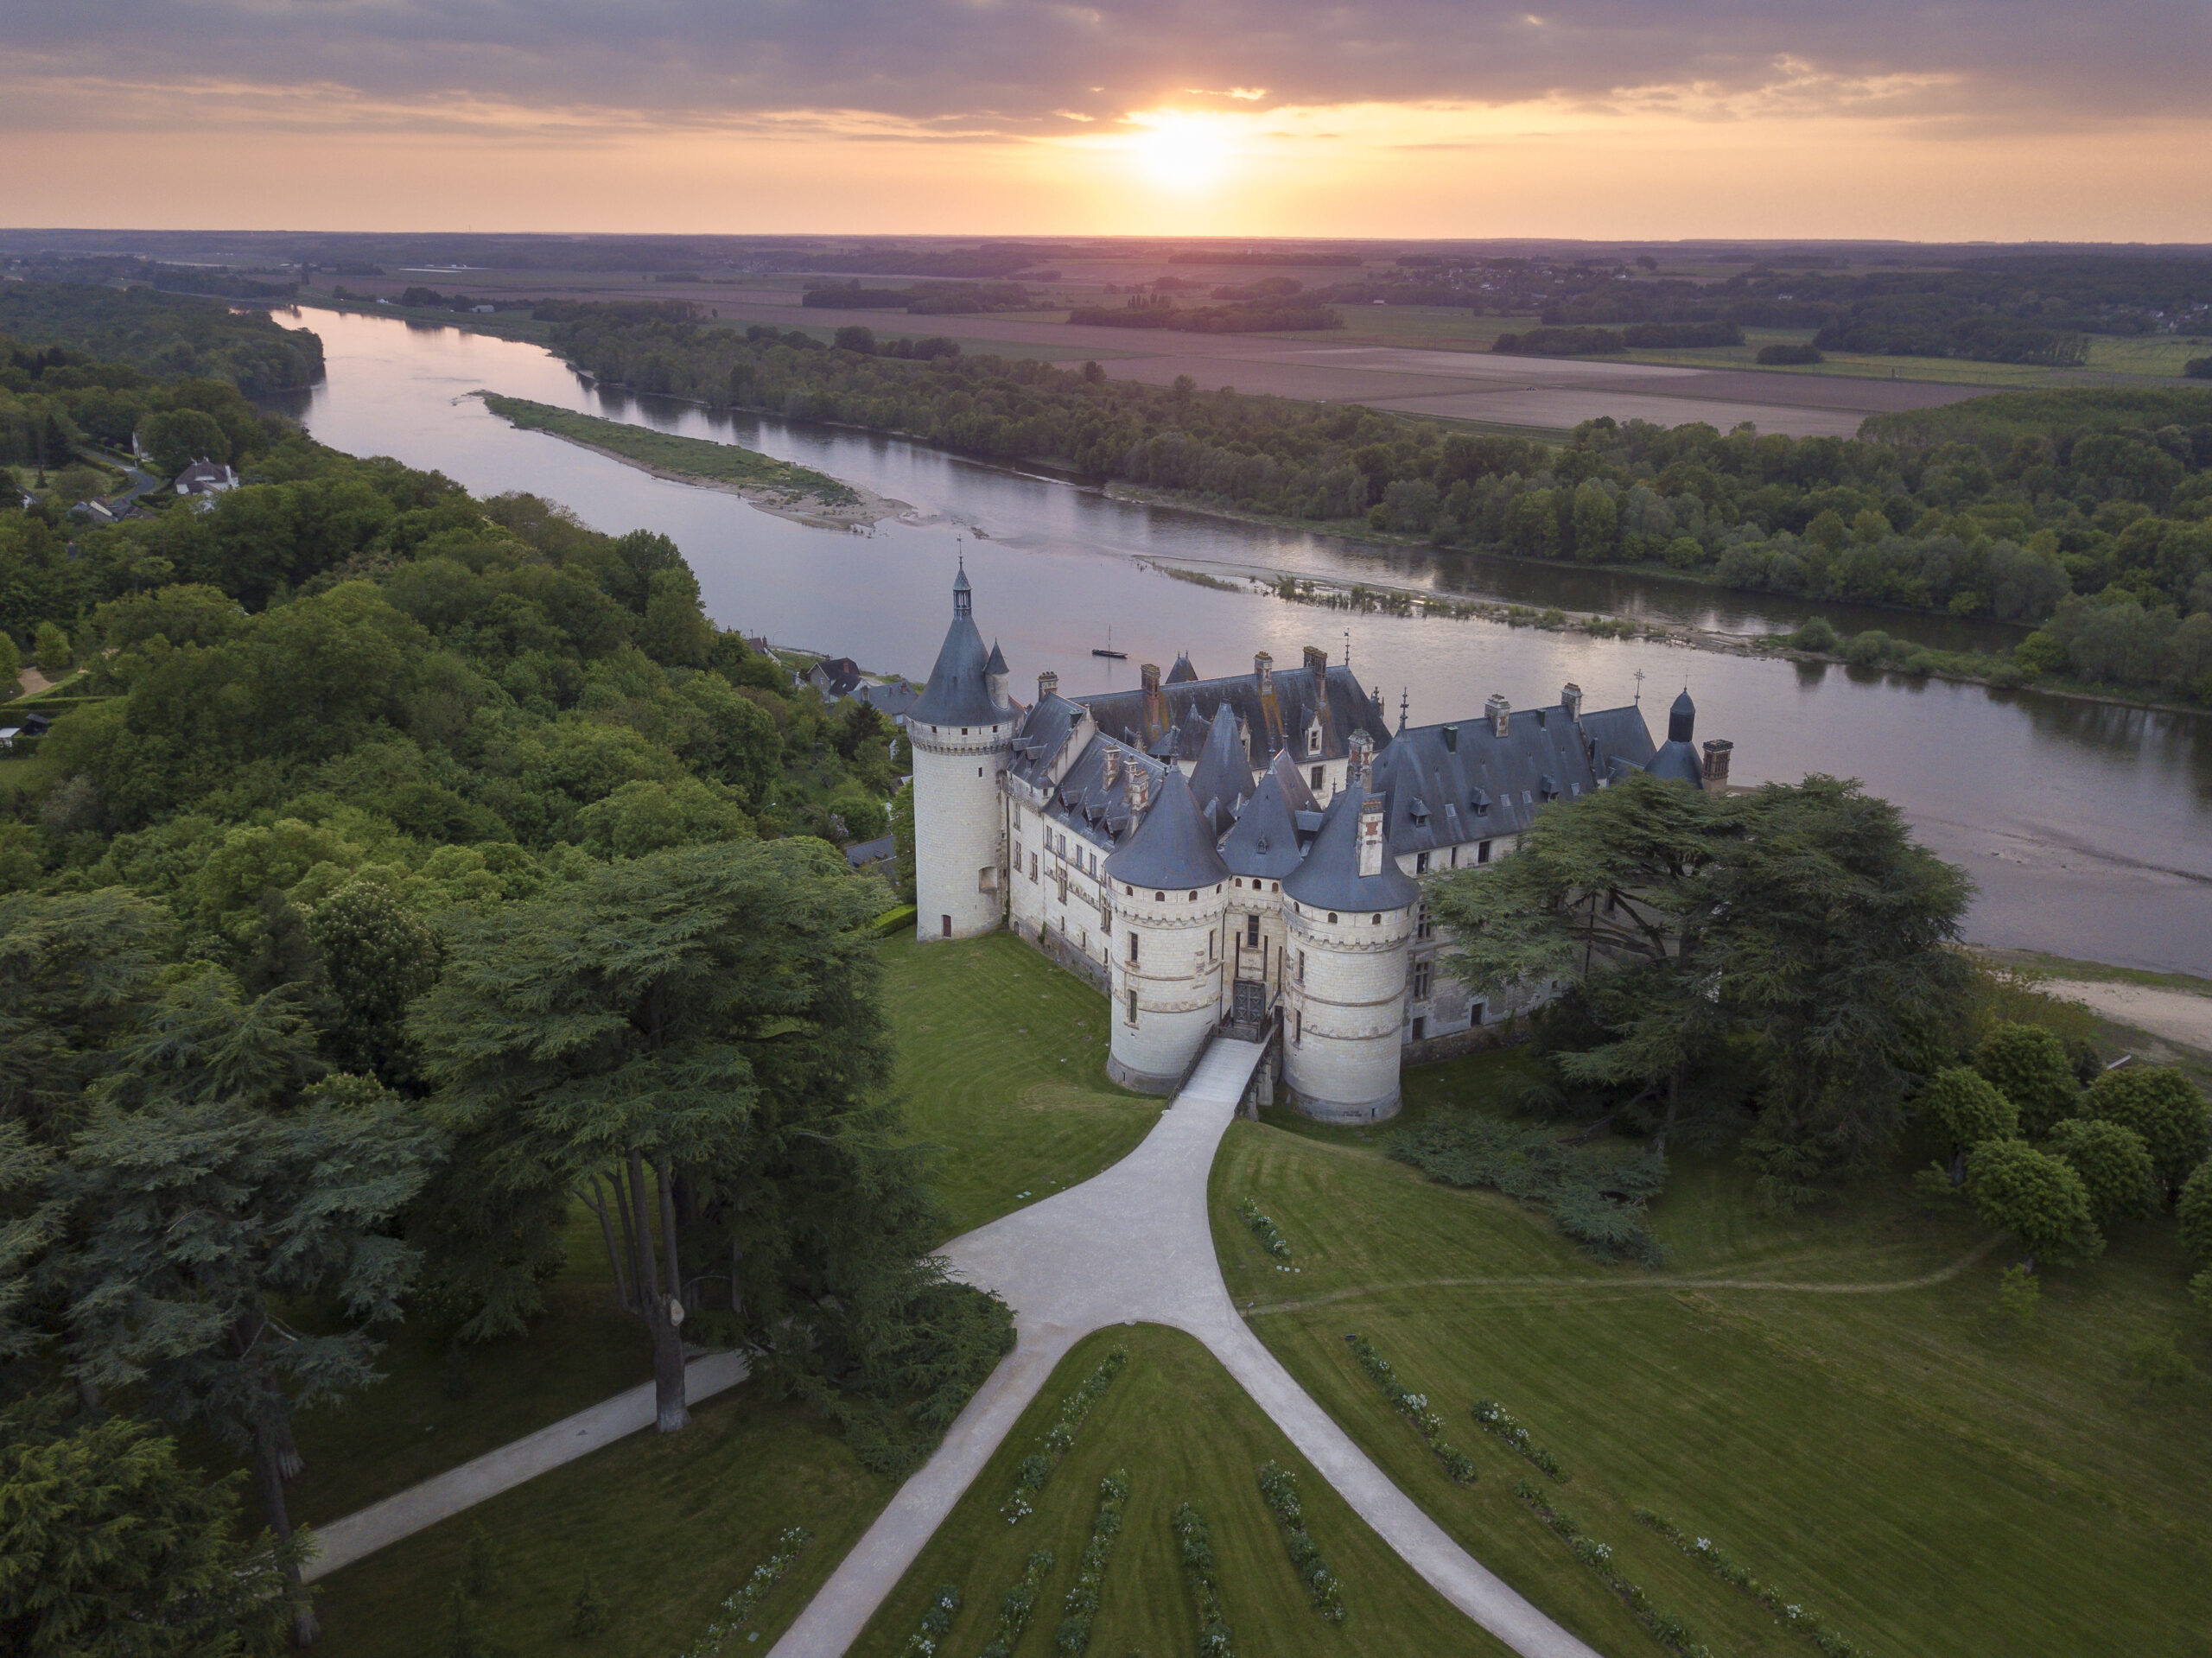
<point>960,68</point>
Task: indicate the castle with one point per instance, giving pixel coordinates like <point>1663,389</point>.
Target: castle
<point>1247,853</point>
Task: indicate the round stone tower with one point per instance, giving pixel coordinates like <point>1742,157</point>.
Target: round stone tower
<point>1169,889</point>
<point>1351,915</point>
<point>962,731</point>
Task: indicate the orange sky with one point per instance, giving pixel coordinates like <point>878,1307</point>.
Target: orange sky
<point>980,116</point>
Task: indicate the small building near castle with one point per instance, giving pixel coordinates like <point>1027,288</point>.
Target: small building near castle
<point>1246,853</point>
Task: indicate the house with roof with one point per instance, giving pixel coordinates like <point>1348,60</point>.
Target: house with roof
<point>1248,853</point>
<point>835,677</point>
<point>204,480</point>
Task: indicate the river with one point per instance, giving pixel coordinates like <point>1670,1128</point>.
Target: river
<point>2087,827</point>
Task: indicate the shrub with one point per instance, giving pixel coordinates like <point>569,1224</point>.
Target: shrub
<point>50,650</point>
<point>2194,1211</point>
<point>1710,1555</point>
<point>1194,1546</point>
<point>1666,1629</point>
<point>1818,634</point>
<point>1962,1107</point>
<point>1596,1194</point>
<point>1263,1229</point>
<point>1037,1468</point>
<point>747,1600</point>
<point>2156,1363</point>
<point>1279,1490</point>
<point>1790,356</point>
<point>1868,650</point>
<point>1494,1420</point>
<point>1081,1603</point>
<point>2161,1104</point>
<point>2028,1064</point>
<point>1414,1408</point>
<point>589,1618</point>
<point>936,1622</point>
<point>2114,1166</point>
<point>1020,1604</point>
<point>2019,1294</point>
<point>2198,368</point>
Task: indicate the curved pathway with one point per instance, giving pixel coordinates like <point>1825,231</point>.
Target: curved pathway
<point>1134,1245</point>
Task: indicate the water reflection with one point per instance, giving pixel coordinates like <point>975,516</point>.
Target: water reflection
<point>2087,828</point>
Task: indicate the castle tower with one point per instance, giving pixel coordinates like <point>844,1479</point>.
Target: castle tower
<point>1677,758</point>
<point>1168,888</point>
<point>1351,916</point>
<point>962,730</point>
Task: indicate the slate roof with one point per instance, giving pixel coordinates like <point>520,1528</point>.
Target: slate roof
<point>1457,782</point>
<point>1329,878</point>
<point>1265,842</point>
<point>1144,719</point>
<point>837,676</point>
<point>958,693</point>
<point>1677,760</point>
<point>1173,846</point>
<point>1221,781</point>
<point>997,663</point>
<point>894,700</point>
<point>1184,672</point>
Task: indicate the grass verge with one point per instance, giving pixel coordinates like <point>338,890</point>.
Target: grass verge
<point>1933,1484</point>
<point>1187,1432</point>
<point>670,1526</point>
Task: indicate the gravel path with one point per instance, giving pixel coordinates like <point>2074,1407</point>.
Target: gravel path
<point>343,1541</point>
<point>1134,1245</point>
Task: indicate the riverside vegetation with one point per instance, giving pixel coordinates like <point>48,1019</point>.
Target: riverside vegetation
<point>2090,511</point>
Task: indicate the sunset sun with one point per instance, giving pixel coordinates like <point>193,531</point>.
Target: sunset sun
<point>1180,151</point>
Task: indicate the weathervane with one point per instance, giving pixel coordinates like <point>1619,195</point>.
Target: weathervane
<point>1403,691</point>
<point>1639,688</point>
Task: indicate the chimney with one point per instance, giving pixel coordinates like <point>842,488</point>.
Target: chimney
<point>1500,712</point>
<point>1570,698</point>
<point>1113,764</point>
<point>1048,684</point>
<point>1317,663</point>
<point>1150,674</point>
<point>1370,837</point>
<point>1451,739</point>
<point>1140,787</point>
<point>1716,760</point>
<point>1263,669</point>
<point>1362,746</point>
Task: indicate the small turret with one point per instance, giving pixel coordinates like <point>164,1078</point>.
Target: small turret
<point>994,673</point>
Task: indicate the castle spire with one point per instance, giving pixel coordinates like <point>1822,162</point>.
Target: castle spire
<point>963,596</point>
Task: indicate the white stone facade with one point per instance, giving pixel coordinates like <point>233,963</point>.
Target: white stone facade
<point>960,855</point>
<point>1167,982</point>
<point>1344,1011</point>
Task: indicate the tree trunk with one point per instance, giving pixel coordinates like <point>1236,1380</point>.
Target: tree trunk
<point>616,1256</point>
<point>269,1458</point>
<point>669,1412</point>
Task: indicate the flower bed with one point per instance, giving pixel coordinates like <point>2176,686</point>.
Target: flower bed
<point>934,1621</point>
<point>1666,1629</point>
<point>1082,1605</point>
<point>1263,1229</point>
<point>1279,1488</point>
<point>747,1601</point>
<point>1494,1420</point>
<point>1413,1406</point>
<point>1020,1601</point>
<point>1796,1614</point>
<point>1037,1468</point>
<point>1194,1543</point>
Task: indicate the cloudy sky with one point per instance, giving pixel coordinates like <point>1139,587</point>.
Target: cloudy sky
<point>1944,119</point>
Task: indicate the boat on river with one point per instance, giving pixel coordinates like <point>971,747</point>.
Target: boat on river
<point>1107,650</point>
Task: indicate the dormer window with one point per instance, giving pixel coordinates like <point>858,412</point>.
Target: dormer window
<point>1313,739</point>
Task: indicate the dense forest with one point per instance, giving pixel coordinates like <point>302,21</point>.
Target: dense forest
<point>400,871</point>
<point>2090,511</point>
<point>160,335</point>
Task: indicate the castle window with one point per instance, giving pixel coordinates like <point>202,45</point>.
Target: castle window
<point>1301,968</point>
<point>1133,1007</point>
<point>1374,920</point>
<point>1420,863</point>
<point>1482,852</point>
<point>1251,932</point>
<point>1212,946</point>
<point>1133,957</point>
<point>1317,777</point>
<point>1275,887</point>
<point>1422,969</point>
<point>1475,1011</point>
<point>1312,740</point>
<point>1297,1030</point>
<point>1420,1028</point>
<point>1160,898</point>
<point>1332,915</point>
<point>1032,866</point>
<point>1424,923</point>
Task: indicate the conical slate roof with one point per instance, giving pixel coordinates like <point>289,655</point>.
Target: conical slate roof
<point>1264,843</point>
<point>1330,877</point>
<point>1222,779</point>
<point>958,692</point>
<point>1182,673</point>
<point>997,663</point>
<point>1173,846</point>
<point>1676,759</point>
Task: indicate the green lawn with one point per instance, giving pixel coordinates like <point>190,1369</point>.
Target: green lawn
<point>671,1525</point>
<point>1002,1068</point>
<point>1184,1432</point>
<point>1932,1484</point>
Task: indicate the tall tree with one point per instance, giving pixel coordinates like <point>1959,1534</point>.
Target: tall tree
<point>1798,924</point>
<point>77,972</point>
<point>110,1546</point>
<point>2037,1198</point>
<point>210,1199</point>
<point>2161,1104</point>
<point>650,1039</point>
<point>2029,1065</point>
